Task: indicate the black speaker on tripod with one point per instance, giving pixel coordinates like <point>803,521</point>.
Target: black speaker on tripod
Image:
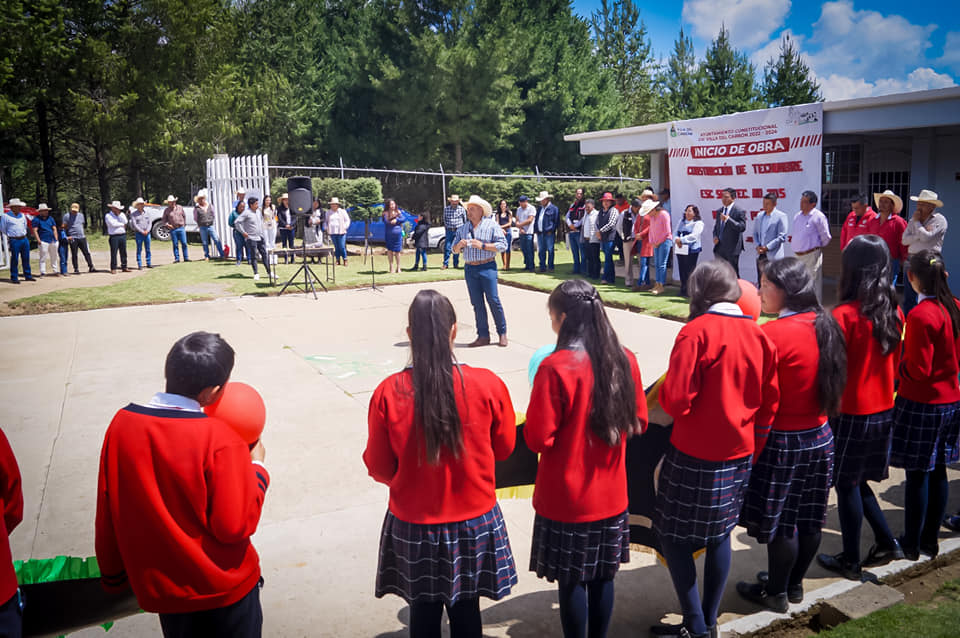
<point>300,200</point>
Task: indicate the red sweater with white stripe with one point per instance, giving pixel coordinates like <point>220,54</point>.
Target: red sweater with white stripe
<point>178,499</point>
<point>11,501</point>
<point>580,478</point>
<point>798,360</point>
<point>721,388</point>
<point>456,488</point>
<point>929,367</point>
<point>870,373</point>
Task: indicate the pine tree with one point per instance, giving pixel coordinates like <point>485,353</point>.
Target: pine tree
<point>680,81</point>
<point>729,77</point>
<point>787,80</point>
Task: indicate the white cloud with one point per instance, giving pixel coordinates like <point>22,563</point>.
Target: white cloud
<point>750,22</point>
<point>951,51</point>
<point>842,87</point>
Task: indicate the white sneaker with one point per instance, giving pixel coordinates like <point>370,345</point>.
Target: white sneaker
<point>256,277</point>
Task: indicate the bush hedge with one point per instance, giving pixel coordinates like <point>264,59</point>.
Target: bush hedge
<point>351,192</point>
<point>563,191</point>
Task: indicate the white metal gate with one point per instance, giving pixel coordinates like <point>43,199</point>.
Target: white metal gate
<point>225,175</point>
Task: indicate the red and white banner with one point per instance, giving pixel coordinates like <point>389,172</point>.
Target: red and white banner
<point>754,153</point>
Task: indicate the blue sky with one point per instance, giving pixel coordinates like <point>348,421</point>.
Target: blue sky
<point>855,48</point>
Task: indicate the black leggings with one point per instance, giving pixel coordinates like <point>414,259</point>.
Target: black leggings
<point>925,504</point>
<point>464,616</point>
<point>788,559</point>
<point>585,608</point>
<point>855,503</point>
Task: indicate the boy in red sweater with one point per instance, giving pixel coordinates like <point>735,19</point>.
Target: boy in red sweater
<point>179,496</point>
<point>11,504</point>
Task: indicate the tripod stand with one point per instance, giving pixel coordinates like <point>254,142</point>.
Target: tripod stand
<point>309,277</point>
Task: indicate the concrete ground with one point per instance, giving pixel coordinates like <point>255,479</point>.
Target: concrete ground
<point>62,377</point>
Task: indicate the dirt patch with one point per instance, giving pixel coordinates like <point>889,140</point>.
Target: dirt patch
<point>205,290</point>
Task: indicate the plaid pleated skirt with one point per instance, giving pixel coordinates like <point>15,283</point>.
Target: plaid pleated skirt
<point>699,501</point>
<point>861,447</point>
<point>924,434</point>
<point>789,485</point>
<point>447,561</point>
<point>580,552</point>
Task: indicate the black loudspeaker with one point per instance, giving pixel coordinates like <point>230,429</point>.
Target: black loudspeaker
<point>300,192</point>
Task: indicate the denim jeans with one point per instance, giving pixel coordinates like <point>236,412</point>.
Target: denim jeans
<point>575,249</point>
<point>421,254</point>
<point>64,253</point>
<point>895,272</point>
<point>661,255</point>
<point>451,235</point>
<point>546,242</point>
<point>208,233</point>
<point>19,251</point>
<point>339,247</point>
<point>609,273</point>
<point>646,265</point>
<point>179,235</point>
<point>526,247</point>
<point>143,241</point>
<point>482,283</point>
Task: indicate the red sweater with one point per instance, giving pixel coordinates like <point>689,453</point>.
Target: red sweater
<point>928,370</point>
<point>870,373</point>
<point>455,489</point>
<point>721,388</point>
<point>177,502</point>
<point>892,232</point>
<point>854,226</point>
<point>798,359</point>
<point>580,478</point>
<point>11,500</point>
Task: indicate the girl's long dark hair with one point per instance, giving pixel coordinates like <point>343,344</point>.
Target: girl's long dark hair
<point>793,278</point>
<point>866,276</point>
<point>431,317</point>
<point>712,282</point>
<point>586,326</point>
<point>931,273</point>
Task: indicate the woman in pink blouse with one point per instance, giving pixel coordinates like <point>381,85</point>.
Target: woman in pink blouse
<point>661,239</point>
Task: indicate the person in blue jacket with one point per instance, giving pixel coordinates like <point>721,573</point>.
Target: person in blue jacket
<point>545,228</point>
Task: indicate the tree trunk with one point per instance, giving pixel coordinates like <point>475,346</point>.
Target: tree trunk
<point>458,156</point>
<point>46,154</point>
<point>135,185</point>
<point>103,183</point>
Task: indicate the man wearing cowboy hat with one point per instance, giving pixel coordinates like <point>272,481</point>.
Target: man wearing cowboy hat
<point>45,230</point>
<point>545,227</point>
<point>925,230</point>
<point>454,216</point>
<point>889,225</point>
<point>73,223</point>
<point>14,225</point>
<point>116,224</point>
<point>607,220</point>
<point>338,222</point>
<point>140,223</point>
<point>205,216</point>
<point>480,239</point>
<point>175,218</point>
<point>857,221</point>
<point>526,215</point>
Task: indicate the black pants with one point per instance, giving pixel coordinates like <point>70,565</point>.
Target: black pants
<point>11,618</point>
<point>80,243</point>
<point>464,616</point>
<point>242,619</point>
<point>118,244</point>
<point>686,264</point>
<point>255,246</point>
<point>733,260</point>
<point>286,240</point>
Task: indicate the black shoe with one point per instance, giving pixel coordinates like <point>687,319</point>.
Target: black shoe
<point>92,269</point>
<point>952,523</point>
<point>794,592</point>
<point>755,593</point>
<point>15,281</point>
<point>76,272</point>
<point>29,278</point>
<point>882,555</point>
<point>665,630</point>
<point>840,565</point>
<point>424,269</point>
<point>931,550</point>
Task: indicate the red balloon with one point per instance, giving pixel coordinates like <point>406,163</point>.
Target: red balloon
<point>749,301</point>
<point>241,407</point>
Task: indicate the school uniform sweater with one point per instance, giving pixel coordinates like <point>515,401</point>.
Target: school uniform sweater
<point>457,488</point>
<point>928,370</point>
<point>11,502</point>
<point>798,359</point>
<point>870,373</point>
<point>580,477</point>
<point>178,499</point>
<point>721,388</point>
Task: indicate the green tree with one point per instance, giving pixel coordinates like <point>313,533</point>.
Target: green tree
<point>787,80</point>
<point>729,77</point>
<point>681,81</point>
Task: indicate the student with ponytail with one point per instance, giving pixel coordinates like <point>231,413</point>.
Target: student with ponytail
<point>587,399</point>
<point>926,417</point>
<point>722,391</point>
<point>872,326</point>
<point>436,430</point>
<point>786,501</point>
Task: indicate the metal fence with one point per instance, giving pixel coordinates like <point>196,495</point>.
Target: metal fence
<point>226,175</point>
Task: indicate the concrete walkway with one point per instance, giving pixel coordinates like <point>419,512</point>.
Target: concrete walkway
<point>63,376</point>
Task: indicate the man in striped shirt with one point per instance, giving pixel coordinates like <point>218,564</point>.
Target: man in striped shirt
<point>480,239</point>
<point>454,217</point>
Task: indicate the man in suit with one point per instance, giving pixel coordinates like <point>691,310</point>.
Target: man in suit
<point>545,227</point>
<point>730,223</point>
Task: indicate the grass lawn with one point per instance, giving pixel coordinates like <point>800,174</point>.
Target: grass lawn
<point>936,618</point>
<point>200,280</point>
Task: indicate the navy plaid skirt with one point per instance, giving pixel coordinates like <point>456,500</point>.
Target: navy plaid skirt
<point>789,485</point>
<point>862,447</point>
<point>699,501</point>
<point>446,561</point>
<point>580,552</point>
<point>924,434</point>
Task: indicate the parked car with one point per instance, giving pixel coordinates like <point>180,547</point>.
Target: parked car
<point>161,232</point>
<point>438,234</point>
<point>377,227</point>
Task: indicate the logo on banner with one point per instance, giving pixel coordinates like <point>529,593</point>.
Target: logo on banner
<point>680,130</point>
<point>798,116</point>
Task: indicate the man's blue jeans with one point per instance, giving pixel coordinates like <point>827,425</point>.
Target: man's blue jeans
<point>526,247</point>
<point>143,241</point>
<point>609,273</point>
<point>19,250</point>
<point>208,233</point>
<point>661,255</point>
<point>339,247</point>
<point>575,250</point>
<point>240,245</point>
<point>447,247</point>
<point>179,235</point>
<point>545,243</point>
<point>482,283</point>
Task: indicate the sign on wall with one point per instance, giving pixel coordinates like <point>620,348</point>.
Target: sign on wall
<point>754,153</point>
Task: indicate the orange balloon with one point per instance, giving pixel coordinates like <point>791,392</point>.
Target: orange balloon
<point>749,301</point>
<point>241,407</point>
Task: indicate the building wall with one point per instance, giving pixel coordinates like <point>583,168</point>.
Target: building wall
<point>946,166</point>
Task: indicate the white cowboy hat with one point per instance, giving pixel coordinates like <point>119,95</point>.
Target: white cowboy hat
<point>927,197</point>
<point>648,192</point>
<point>285,196</point>
<point>74,207</point>
<point>544,195</point>
<point>15,202</point>
<point>41,207</point>
<point>115,205</point>
<point>138,200</point>
<point>241,191</point>
<point>476,200</point>
<point>889,194</point>
<point>454,199</point>
<point>171,199</point>
<point>202,193</point>
<point>334,200</point>
<point>647,206</point>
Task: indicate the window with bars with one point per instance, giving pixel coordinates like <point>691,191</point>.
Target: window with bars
<point>841,180</point>
<point>897,181</point>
